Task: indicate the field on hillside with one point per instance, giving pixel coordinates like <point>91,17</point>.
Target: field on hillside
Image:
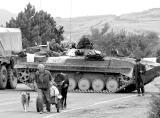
<point>81,26</point>
<point>135,22</point>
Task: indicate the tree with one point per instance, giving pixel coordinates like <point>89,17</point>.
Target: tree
<point>139,45</point>
<point>37,27</point>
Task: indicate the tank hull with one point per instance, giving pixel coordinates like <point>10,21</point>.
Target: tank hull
<point>110,75</point>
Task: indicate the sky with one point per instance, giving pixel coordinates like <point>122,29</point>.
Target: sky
<point>75,8</point>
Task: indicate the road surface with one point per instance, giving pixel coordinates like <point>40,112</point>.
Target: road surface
<point>80,105</point>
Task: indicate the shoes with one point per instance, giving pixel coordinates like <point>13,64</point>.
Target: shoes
<point>41,112</point>
<point>48,111</point>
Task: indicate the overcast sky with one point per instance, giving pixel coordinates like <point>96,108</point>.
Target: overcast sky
<point>74,8</point>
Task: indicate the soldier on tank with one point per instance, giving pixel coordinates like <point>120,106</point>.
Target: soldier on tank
<point>53,46</point>
<point>138,71</point>
<point>42,79</point>
<point>73,46</point>
<point>84,43</point>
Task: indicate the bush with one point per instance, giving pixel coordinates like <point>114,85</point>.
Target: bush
<point>155,107</point>
<point>127,44</point>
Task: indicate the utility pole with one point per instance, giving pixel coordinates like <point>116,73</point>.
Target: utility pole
<point>70,20</point>
<point>39,25</point>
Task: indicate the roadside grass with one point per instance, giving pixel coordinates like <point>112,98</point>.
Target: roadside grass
<point>154,107</point>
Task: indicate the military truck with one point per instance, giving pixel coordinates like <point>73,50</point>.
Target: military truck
<point>10,42</point>
<point>111,74</point>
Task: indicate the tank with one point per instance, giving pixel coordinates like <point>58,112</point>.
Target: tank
<point>109,75</point>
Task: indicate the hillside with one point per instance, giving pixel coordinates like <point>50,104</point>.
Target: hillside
<point>5,16</point>
<point>148,20</point>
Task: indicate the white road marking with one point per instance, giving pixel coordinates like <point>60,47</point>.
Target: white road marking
<point>98,103</point>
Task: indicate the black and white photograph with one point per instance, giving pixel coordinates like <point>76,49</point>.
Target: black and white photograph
<point>79,58</point>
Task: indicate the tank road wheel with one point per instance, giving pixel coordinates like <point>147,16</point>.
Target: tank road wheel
<point>84,84</point>
<point>112,85</point>
<point>12,79</point>
<point>97,85</point>
<point>3,77</point>
<point>72,84</point>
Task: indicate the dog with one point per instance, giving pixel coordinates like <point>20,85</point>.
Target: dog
<point>25,99</point>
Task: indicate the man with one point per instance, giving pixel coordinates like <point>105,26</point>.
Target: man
<point>84,43</point>
<point>138,71</point>
<point>43,78</point>
<point>53,46</point>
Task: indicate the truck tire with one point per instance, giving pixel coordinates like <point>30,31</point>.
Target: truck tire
<point>3,77</point>
<point>12,79</point>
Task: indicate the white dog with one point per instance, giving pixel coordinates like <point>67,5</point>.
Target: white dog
<point>25,99</point>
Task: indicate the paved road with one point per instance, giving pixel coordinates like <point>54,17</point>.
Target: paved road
<point>10,103</point>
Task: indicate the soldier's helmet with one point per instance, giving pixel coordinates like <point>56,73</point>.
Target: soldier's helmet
<point>138,60</point>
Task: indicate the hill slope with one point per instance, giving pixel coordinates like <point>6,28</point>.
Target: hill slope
<point>5,16</point>
<point>148,20</point>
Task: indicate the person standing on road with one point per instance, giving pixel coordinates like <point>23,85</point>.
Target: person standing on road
<point>42,79</point>
<point>138,70</point>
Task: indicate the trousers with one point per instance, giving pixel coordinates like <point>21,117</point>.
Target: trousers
<point>140,87</point>
<point>44,98</point>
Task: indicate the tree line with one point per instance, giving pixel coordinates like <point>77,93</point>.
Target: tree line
<point>127,44</point>
<point>37,27</point>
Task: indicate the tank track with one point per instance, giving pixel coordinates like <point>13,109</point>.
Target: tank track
<point>103,91</point>
<point>31,85</point>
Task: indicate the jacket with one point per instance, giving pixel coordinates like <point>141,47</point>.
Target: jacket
<point>43,79</point>
<point>138,71</point>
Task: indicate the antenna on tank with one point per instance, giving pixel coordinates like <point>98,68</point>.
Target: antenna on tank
<point>70,20</point>
<point>39,23</point>
<point>40,4</point>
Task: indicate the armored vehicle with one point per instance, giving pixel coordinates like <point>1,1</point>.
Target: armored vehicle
<point>10,42</point>
<point>110,74</point>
